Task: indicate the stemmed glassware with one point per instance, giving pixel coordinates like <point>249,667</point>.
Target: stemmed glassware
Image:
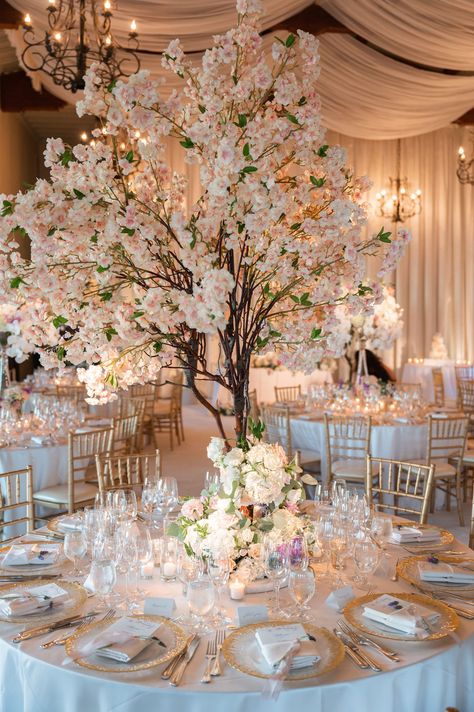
<point>201,598</point>
<point>276,565</point>
<point>75,548</point>
<point>298,553</point>
<point>366,557</point>
<point>102,579</point>
<point>302,587</point>
<point>166,494</point>
<point>219,571</point>
<point>126,501</point>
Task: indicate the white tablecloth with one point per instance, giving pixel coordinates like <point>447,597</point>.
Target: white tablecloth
<point>397,442</point>
<point>264,380</point>
<point>430,677</point>
<point>423,373</point>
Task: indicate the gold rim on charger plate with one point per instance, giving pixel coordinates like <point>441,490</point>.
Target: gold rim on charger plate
<point>449,620</point>
<point>336,650</point>
<point>446,537</point>
<point>404,565</point>
<point>26,569</point>
<point>180,643</point>
<point>71,587</point>
<point>52,525</point>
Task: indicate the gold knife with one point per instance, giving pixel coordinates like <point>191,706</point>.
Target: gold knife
<point>175,678</point>
<point>171,667</point>
<point>42,630</point>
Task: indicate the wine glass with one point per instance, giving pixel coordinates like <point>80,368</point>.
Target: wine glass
<point>219,571</point>
<point>302,587</point>
<point>189,568</point>
<point>75,547</point>
<point>339,549</point>
<point>126,502</point>
<point>298,553</point>
<point>148,496</point>
<point>212,481</point>
<point>275,563</point>
<point>102,579</point>
<point>145,551</point>
<point>366,557</point>
<point>201,598</point>
<point>166,493</point>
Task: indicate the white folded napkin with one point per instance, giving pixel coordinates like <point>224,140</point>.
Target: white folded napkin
<point>443,572</point>
<point>33,600</point>
<point>401,615</point>
<point>405,535</point>
<point>38,439</point>
<point>41,554</point>
<point>275,643</point>
<point>123,640</point>
<point>72,523</point>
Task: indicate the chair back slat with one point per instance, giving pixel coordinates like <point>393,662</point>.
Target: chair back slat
<point>16,488</point>
<point>347,437</point>
<point>287,394</point>
<point>127,472</point>
<point>446,438</point>
<point>396,479</point>
<point>438,386</point>
<point>82,449</point>
<point>278,427</point>
<point>125,432</point>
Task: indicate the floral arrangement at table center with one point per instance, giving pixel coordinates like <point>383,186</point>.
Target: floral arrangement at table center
<point>125,277</point>
<point>385,325</point>
<point>258,496</point>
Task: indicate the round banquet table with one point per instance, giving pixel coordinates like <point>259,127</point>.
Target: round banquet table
<point>400,441</point>
<point>431,675</point>
<point>423,373</point>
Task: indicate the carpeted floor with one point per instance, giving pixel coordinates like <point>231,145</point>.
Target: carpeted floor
<point>188,463</point>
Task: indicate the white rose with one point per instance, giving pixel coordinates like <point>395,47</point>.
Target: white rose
<point>228,476</point>
<point>216,449</point>
<point>294,496</point>
<point>235,457</point>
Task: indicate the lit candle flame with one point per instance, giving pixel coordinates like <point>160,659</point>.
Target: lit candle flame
<point>133,26</point>
<point>27,19</point>
<point>83,136</point>
<point>58,37</point>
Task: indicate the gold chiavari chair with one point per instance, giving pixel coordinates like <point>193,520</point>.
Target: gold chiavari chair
<point>125,434</point>
<point>134,405</point>
<point>438,387</point>
<point>254,409</point>
<point>77,492</point>
<point>168,411</point>
<point>16,489</point>
<point>445,450</point>
<point>347,446</point>
<point>278,431</point>
<point>71,392</point>
<point>287,394</point>
<point>471,528</point>
<point>408,486</point>
<point>129,472</point>
<point>462,373</point>
<point>147,393</point>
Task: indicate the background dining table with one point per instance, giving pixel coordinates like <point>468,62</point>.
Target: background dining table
<point>430,676</point>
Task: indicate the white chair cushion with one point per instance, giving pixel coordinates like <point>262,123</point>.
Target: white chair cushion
<point>442,469</point>
<point>350,469</point>
<point>57,494</point>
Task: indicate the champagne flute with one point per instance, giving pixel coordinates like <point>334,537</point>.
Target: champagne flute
<point>275,563</point>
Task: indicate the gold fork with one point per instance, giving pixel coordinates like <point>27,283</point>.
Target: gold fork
<point>220,637</point>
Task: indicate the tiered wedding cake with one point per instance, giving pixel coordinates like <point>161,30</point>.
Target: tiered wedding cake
<point>438,348</point>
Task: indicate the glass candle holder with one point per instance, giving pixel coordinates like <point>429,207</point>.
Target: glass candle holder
<point>168,559</point>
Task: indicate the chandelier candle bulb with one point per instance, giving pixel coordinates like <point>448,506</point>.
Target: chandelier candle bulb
<point>27,19</point>
<point>133,26</point>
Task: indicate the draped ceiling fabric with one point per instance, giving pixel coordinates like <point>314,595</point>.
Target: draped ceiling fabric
<point>371,99</point>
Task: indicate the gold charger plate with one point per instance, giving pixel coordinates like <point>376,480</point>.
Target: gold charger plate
<point>26,569</point>
<point>446,537</point>
<point>446,624</point>
<point>171,634</point>
<point>240,649</point>
<point>77,593</point>
<point>52,525</point>
<point>407,569</point>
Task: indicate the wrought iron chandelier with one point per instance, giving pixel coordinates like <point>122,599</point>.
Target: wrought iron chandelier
<point>465,169</point>
<point>79,33</point>
<point>397,203</point>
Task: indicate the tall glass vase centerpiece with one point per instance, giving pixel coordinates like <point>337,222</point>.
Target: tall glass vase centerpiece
<point>126,275</point>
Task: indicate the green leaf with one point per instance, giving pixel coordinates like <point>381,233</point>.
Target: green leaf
<point>66,157</point>
<point>111,86</point>
<point>15,282</point>
<point>187,143</point>
<point>246,150</point>
<point>242,120</point>
<point>295,226</point>
<point>235,79</point>
<point>295,298</point>
<point>94,239</point>
<point>309,480</point>
<point>384,236</point>
<point>51,231</point>
<point>292,118</point>
<point>175,530</point>
<point>106,296</point>
<point>7,208</point>
<point>241,227</point>
<point>59,321</point>
<point>101,269</point>
<point>110,332</point>
<point>305,300</point>
<point>249,169</point>
<point>363,290</point>
<point>21,230</point>
<point>79,195</point>
<point>323,150</point>
<point>315,334</point>
<point>128,231</point>
<point>318,182</point>
<point>137,314</point>
<point>265,525</point>
<point>202,108</point>
<point>290,40</point>
<point>60,353</point>
<point>129,157</point>
<point>267,291</point>
<point>275,334</point>
<point>157,346</point>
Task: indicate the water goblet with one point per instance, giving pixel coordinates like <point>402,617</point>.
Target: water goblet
<point>302,587</point>
<point>200,597</point>
<point>166,494</point>
<point>219,570</point>
<point>275,563</point>
<point>366,558</point>
<point>126,502</point>
<point>75,548</point>
<point>102,579</point>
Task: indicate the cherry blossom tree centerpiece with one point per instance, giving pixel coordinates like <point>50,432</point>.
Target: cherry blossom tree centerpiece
<point>125,276</point>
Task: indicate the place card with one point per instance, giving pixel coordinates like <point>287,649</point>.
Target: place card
<point>339,598</point>
<point>158,606</point>
<point>251,614</point>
